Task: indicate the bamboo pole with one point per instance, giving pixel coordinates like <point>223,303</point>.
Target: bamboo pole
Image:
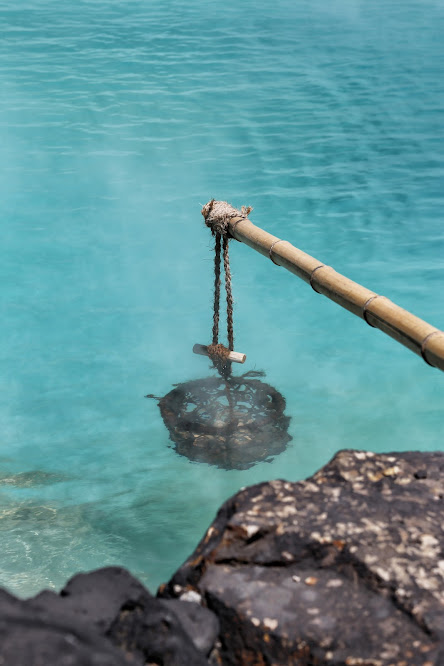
<point>378,311</point>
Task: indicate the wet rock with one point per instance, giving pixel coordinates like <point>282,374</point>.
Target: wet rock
<point>200,624</point>
<point>36,637</point>
<point>94,598</point>
<point>346,568</point>
<point>109,614</point>
<point>116,603</point>
<point>152,631</point>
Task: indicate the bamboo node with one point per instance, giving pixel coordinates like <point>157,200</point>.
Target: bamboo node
<point>234,225</point>
<point>365,306</point>
<point>312,276</point>
<point>424,346</point>
<point>270,251</point>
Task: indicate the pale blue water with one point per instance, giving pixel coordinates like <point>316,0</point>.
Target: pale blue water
<point>117,121</point>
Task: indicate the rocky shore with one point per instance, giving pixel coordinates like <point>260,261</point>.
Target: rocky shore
<point>343,569</point>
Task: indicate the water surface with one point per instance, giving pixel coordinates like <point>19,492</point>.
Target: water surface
<point>118,120</point>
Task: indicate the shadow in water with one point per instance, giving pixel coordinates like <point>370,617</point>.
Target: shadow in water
<point>230,423</point>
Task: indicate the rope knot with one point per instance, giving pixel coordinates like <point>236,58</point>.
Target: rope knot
<point>218,214</point>
<point>218,352</point>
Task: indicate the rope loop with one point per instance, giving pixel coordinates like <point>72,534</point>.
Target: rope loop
<point>218,354</point>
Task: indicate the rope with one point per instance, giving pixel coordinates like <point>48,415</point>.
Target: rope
<point>216,290</point>
<point>217,215</point>
<point>230,332</point>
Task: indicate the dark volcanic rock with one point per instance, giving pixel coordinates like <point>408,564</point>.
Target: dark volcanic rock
<point>104,618</point>
<point>153,632</point>
<point>201,625</point>
<point>38,638</point>
<point>346,568</point>
<point>94,598</point>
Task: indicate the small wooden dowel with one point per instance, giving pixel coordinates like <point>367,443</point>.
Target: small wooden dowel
<point>234,357</point>
<point>378,311</point>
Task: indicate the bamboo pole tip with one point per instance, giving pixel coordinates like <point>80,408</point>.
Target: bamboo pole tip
<point>218,214</point>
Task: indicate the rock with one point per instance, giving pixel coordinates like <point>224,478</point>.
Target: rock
<point>346,568</point>
<point>94,598</point>
<point>200,624</point>
<point>153,632</point>
<point>38,638</point>
<point>106,614</point>
<point>114,601</point>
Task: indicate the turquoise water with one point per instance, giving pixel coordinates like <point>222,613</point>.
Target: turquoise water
<point>118,120</point>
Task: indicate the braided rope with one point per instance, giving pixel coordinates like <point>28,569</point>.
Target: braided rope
<point>217,216</point>
<point>230,331</point>
<point>216,289</point>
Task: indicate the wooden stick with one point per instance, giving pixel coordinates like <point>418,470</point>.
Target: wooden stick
<point>378,311</point>
<point>235,357</point>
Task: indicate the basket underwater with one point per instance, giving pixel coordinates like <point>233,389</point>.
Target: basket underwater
<point>231,423</point>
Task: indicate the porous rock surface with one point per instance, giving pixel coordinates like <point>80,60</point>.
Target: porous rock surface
<point>345,568</point>
<point>104,618</point>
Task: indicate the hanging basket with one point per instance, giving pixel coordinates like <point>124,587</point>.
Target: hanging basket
<point>231,423</point>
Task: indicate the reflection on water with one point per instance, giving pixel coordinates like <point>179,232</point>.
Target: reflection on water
<point>231,423</point>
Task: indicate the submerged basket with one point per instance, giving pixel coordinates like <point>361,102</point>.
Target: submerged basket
<point>231,423</point>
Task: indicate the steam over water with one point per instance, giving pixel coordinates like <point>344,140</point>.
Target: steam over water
<point>118,120</point>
